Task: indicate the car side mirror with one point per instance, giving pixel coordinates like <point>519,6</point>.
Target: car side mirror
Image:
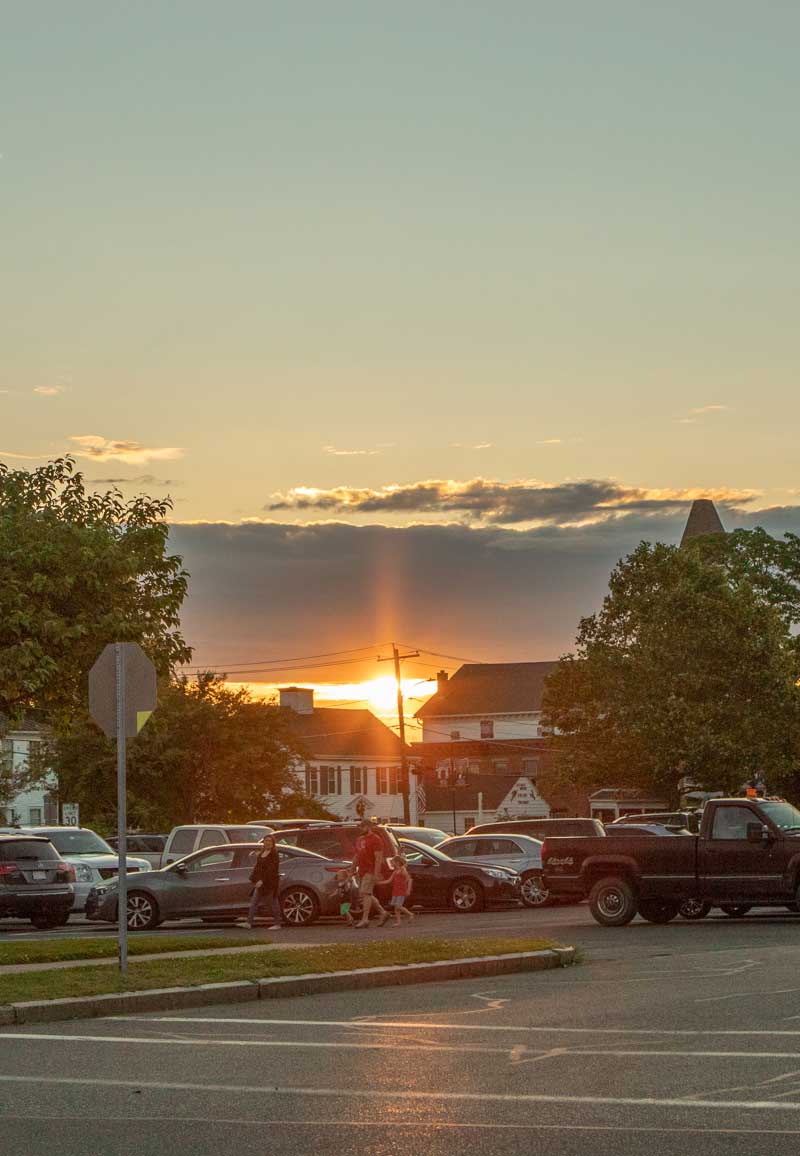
<point>180,868</point>
<point>757,833</point>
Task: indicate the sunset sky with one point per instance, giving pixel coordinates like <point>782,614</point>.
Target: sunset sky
<point>424,314</point>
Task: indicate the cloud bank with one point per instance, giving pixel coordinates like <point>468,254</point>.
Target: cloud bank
<point>100,449</point>
<point>502,503</point>
<point>264,588</point>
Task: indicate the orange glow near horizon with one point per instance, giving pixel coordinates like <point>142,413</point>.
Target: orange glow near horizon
<point>376,694</point>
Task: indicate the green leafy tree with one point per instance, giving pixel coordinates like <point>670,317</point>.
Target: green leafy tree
<point>208,754</point>
<point>689,669</point>
<point>80,569</point>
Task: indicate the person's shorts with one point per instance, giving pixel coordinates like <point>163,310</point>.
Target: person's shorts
<point>366,884</point>
<point>398,900</point>
<point>344,908</point>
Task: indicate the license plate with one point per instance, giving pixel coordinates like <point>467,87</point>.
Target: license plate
<point>40,874</point>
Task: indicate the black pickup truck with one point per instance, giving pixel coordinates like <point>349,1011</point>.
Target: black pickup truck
<point>747,854</point>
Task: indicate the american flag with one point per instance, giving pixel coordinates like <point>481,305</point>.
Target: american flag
<point>422,802</point>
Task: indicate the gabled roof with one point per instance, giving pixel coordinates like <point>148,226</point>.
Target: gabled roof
<point>341,733</point>
<point>703,519</point>
<point>488,688</point>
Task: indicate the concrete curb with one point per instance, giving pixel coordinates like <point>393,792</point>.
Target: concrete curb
<point>243,991</point>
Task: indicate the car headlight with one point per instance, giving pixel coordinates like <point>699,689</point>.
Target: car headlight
<point>495,874</point>
<point>83,874</point>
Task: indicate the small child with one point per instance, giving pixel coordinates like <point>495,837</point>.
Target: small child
<point>345,890</point>
<point>401,889</point>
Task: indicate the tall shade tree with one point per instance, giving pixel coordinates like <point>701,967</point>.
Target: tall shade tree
<point>688,670</point>
<point>210,753</point>
<point>79,570</point>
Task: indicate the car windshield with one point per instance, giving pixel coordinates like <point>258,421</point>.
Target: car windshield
<point>783,815</point>
<point>411,847</point>
<point>71,842</point>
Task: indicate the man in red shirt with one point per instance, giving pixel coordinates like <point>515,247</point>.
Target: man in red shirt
<point>369,865</point>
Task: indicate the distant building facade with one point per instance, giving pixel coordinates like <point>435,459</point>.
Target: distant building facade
<point>353,760</point>
<point>33,807</point>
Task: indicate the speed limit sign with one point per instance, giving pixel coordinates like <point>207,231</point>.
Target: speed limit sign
<point>70,815</point>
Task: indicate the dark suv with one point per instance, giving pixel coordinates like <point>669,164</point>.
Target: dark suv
<point>35,882</point>
<point>338,841</point>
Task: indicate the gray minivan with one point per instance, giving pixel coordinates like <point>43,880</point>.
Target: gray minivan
<point>191,837</point>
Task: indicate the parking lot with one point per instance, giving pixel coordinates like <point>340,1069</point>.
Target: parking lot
<point>664,1037</point>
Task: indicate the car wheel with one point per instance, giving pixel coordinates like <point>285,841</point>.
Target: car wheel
<point>466,897</point>
<point>734,910</point>
<point>694,909</point>
<point>658,910</point>
<point>299,906</point>
<point>45,921</point>
<point>533,891</point>
<point>142,912</point>
<point>612,901</point>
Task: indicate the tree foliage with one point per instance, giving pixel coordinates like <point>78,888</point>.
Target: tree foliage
<point>80,569</point>
<point>689,669</point>
<point>208,754</point>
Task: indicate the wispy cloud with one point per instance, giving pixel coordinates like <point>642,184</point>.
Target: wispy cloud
<point>471,445</point>
<point>100,449</point>
<point>503,503</point>
<point>138,480</point>
<point>551,442</point>
<point>701,411</point>
<point>49,390</point>
<point>23,457</point>
<point>337,453</point>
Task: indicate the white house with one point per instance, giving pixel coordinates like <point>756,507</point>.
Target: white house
<point>353,763</point>
<point>39,805</point>
<point>488,701</point>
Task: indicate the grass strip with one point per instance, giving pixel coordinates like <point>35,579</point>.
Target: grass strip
<point>273,961</point>
<point>58,950</point>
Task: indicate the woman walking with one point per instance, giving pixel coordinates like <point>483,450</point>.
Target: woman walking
<point>264,878</point>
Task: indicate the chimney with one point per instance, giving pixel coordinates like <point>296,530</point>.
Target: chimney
<point>441,680</point>
<point>300,699</point>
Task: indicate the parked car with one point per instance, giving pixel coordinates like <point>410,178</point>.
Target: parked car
<point>520,853</point>
<point>430,836</point>
<point>92,857</point>
<point>214,885</point>
<point>149,847</point>
<point>189,837</point>
<point>678,821</point>
<point>338,841</point>
<point>542,828</point>
<point>35,882</point>
<point>630,829</point>
<point>746,854</point>
<point>440,881</point>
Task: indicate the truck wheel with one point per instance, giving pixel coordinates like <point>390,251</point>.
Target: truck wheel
<point>694,909</point>
<point>658,910</point>
<point>735,910</point>
<point>612,901</point>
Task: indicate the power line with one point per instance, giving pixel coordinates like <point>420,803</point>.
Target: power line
<point>289,658</point>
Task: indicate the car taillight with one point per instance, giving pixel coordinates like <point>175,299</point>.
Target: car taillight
<point>8,869</point>
<point>544,850</point>
<point>67,872</point>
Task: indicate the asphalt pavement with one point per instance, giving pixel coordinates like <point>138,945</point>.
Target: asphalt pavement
<point>665,1038</point>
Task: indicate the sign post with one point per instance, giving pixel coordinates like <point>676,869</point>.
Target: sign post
<point>122,696</point>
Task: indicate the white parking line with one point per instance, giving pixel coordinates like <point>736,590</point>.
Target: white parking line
<point>429,1126</point>
<point>395,1045</point>
<point>418,1027</point>
<point>397,1095</point>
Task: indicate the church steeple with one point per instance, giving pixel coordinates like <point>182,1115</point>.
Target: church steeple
<point>703,519</point>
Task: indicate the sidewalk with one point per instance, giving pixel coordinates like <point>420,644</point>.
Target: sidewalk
<point>19,968</point>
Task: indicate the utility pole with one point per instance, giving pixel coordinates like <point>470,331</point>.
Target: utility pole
<point>409,797</point>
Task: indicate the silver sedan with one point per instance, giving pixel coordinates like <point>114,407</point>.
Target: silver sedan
<point>214,885</point>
